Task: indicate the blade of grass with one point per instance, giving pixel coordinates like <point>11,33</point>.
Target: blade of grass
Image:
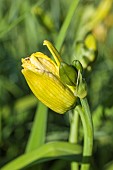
<point>9,27</point>
<point>49,151</point>
<point>63,31</point>
<point>38,132</point>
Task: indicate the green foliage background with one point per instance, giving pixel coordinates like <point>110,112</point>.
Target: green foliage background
<point>23,27</point>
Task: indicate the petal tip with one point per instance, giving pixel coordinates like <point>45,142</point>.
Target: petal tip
<point>45,42</point>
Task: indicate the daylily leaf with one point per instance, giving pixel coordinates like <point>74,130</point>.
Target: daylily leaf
<point>49,151</point>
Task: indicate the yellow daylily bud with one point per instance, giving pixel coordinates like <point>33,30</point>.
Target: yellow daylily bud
<point>90,42</point>
<point>42,76</point>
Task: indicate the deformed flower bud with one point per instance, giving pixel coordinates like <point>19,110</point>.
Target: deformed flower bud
<point>42,76</point>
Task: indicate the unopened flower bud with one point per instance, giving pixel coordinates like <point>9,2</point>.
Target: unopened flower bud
<point>42,76</point>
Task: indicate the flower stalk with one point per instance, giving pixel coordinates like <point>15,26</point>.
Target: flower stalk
<point>86,119</point>
<point>74,134</point>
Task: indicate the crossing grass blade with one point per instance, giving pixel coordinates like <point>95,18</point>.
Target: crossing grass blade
<point>47,152</point>
<point>38,131</point>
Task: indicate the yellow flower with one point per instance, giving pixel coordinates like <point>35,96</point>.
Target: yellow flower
<point>42,76</point>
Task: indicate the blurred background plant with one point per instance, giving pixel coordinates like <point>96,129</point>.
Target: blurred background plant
<point>23,27</point>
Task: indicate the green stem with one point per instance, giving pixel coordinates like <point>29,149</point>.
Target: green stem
<point>62,33</point>
<point>86,119</point>
<point>73,136</point>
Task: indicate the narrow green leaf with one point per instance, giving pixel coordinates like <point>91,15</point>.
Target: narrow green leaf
<point>9,27</point>
<point>109,166</point>
<point>66,23</point>
<point>38,132</point>
<point>49,151</point>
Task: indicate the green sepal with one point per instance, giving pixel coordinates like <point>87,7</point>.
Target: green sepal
<point>68,74</point>
<point>81,90</point>
<point>77,65</point>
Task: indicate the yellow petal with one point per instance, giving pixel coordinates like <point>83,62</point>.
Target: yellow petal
<point>49,90</point>
<point>53,51</point>
<point>40,61</point>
